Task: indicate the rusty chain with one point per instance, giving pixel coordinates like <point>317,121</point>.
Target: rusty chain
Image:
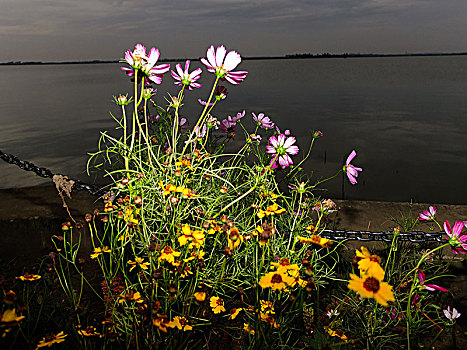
<point>46,173</point>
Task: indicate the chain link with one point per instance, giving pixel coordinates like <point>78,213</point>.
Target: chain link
<point>414,237</point>
<point>336,235</point>
<point>46,173</point>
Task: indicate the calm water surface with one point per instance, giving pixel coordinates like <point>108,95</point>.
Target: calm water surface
<point>406,117</point>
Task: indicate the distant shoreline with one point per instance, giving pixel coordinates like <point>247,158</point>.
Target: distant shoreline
<point>284,57</point>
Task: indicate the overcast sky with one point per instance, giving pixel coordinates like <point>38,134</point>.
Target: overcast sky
<point>56,30</point>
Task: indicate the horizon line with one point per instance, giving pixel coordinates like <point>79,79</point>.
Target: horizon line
<point>286,56</point>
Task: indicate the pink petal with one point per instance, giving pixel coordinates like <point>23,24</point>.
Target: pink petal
<point>179,70</point>
<point>232,60</point>
<point>273,141</point>
<point>293,150</point>
<point>350,157</point>
<point>211,56</point>
<point>153,57</point>
<point>289,141</point>
<point>457,229</point>
<point>352,180</point>
<point>421,276</point>
<point>432,287</point>
<point>285,160</point>
<point>220,55</point>
<point>447,228</point>
<point>270,149</point>
<point>281,140</point>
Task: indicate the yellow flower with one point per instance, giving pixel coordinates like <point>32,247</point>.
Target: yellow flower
<point>369,286</point>
<point>99,251</point>
<point>316,239</point>
<point>267,307</point>
<point>198,255</point>
<point>125,236</point>
<point>269,319</point>
<point>217,305</point>
<point>29,277</point>
<point>285,265</point>
<point>138,261</point>
<point>89,332</point>
<point>369,264</point>
<point>273,196</point>
<point>50,339</point>
<point>186,192</point>
<point>181,323</point>
<point>131,297</point>
<point>167,189</point>
<point>337,333</point>
<point>234,238</point>
<point>200,296</point>
<point>186,163</point>
<point>168,254</point>
<point>161,322</point>
<point>234,313</point>
<point>247,328</point>
<point>272,209</point>
<point>187,235</point>
<point>9,316</point>
<point>295,274</point>
<point>130,216</point>
<point>276,280</point>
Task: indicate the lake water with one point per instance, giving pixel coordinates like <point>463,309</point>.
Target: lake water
<point>405,116</point>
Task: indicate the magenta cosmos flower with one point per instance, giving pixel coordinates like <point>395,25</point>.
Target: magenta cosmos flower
<point>146,65</point>
<point>350,170</point>
<point>280,148</point>
<point>222,63</point>
<point>457,238</point>
<point>182,77</point>
<point>427,215</point>
<point>263,121</point>
<point>430,287</point>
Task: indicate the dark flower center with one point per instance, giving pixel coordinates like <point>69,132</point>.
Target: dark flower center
<point>371,284</point>
<point>276,278</point>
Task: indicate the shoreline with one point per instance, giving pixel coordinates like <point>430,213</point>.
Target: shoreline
<point>43,202</point>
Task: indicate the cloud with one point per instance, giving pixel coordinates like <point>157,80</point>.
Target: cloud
<point>70,29</point>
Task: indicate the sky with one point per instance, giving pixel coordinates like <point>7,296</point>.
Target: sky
<point>67,30</point>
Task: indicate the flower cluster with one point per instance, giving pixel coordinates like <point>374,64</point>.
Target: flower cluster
<point>370,282</point>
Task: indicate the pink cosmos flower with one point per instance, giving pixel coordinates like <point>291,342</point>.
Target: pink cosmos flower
<point>182,77</point>
<point>239,116</point>
<point>263,121</point>
<point>350,170</point>
<point>222,64</point>
<point>451,316</point>
<point>200,132</point>
<point>457,238</point>
<point>280,148</point>
<point>204,103</point>
<point>139,61</point>
<point>427,215</point>
<point>430,287</point>
<point>228,126</point>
